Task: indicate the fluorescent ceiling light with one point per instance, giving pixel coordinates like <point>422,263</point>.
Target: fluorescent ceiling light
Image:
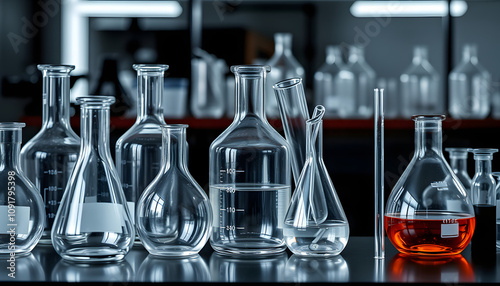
<point>407,8</point>
<point>129,8</point>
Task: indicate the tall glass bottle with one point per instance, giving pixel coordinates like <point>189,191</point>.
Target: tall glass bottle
<point>458,162</point>
<point>469,87</point>
<point>359,103</point>
<point>93,222</point>
<point>333,82</point>
<point>138,151</point>
<point>283,65</point>
<point>420,86</point>
<point>249,174</point>
<point>49,157</point>
<point>21,206</point>
<point>174,216</point>
<point>429,212</point>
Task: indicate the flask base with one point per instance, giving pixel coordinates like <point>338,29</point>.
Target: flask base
<point>93,254</point>
<point>248,247</point>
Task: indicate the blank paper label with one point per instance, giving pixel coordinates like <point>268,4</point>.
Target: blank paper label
<point>20,220</point>
<point>449,230</point>
<point>102,217</point>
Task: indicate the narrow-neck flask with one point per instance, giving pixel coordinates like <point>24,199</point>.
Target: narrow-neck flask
<point>458,162</point>
<point>315,223</point>
<point>429,212</point>
<point>420,86</point>
<point>283,65</point>
<point>93,223</point>
<point>21,206</point>
<point>484,201</point>
<point>249,174</point>
<point>469,87</point>
<point>174,216</point>
<point>359,103</point>
<point>50,156</point>
<point>333,83</point>
<point>138,151</point>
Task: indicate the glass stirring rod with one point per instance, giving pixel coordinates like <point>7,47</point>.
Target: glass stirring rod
<point>379,173</point>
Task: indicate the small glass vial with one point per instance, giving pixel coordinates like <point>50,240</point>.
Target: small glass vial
<point>420,86</point>
<point>21,206</point>
<point>458,163</point>
<point>283,65</point>
<point>50,156</point>
<point>93,223</point>
<point>249,175</point>
<point>174,216</point>
<point>470,87</point>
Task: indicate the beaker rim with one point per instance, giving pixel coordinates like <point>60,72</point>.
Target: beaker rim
<point>12,125</point>
<point>250,68</point>
<point>422,117</point>
<point>55,68</point>
<point>95,99</point>
<point>287,83</point>
<point>150,67</point>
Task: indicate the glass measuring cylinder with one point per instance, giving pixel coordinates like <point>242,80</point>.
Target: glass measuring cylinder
<point>49,157</point>
<point>429,212</point>
<point>21,206</point>
<point>249,174</point>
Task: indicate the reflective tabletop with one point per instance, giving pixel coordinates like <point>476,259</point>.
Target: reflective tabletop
<point>355,265</point>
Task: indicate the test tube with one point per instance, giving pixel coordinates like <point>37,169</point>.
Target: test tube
<point>379,173</point>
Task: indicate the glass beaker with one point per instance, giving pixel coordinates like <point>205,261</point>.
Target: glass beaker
<point>315,223</point>
<point>484,201</point>
<point>458,162</point>
<point>93,223</point>
<point>138,151</point>
<point>50,156</point>
<point>21,206</point>
<point>469,87</point>
<point>429,212</point>
<point>283,65</point>
<point>174,216</point>
<point>249,174</point>
<point>333,82</point>
<point>420,86</point>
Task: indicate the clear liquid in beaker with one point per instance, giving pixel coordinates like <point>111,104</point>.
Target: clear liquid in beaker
<point>324,240</point>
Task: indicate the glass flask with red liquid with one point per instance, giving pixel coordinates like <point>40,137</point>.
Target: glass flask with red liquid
<point>429,212</point>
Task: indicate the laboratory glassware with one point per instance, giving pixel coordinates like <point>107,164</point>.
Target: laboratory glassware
<point>333,82</point>
<point>359,104</point>
<point>484,200</point>
<point>138,151</point>
<point>469,87</point>
<point>249,174</point>
<point>93,223</point>
<point>420,86</point>
<point>49,157</point>
<point>497,196</point>
<point>392,98</point>
<point>294,114</point>
<point>315,223</point>
<point>458,163</point>
<point>429,212</point>
<point>174,216</point>
<point>379,173</point>
<point>22,211</point>
<point>283,65</point>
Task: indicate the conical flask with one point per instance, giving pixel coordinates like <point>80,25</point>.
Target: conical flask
<point>174,216</point>
<point>50,156</point>
<point>93,222</point>
<point>429,212</point>
<point>21,206</point>
<point>315,223</point>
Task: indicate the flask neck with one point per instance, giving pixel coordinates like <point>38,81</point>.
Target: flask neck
<point>428,137</point>
<point>150,95</point>
<point>95,129</point>
<point>470,54</point>
<point>333,55</point>
<point>10,148</point>
<point>483,167</point>
<point>174,147</point>
<point>56,97</point>
<point>314,143</point>
<point>356,54</point>
<point>250,92</point>
<point>419,55</point>
<point>282,44</point>
<point>458,165</point>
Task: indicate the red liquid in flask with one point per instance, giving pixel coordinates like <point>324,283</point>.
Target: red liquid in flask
<point>436,234</point>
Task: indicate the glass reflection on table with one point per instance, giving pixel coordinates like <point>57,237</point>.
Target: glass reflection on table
<point>303,269</point>
<point>182,269</point>
<point>248,269</point>
<point>25,268</point>
<point>66,271</point>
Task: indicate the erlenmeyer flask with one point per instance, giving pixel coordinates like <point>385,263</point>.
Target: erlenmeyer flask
<point>249,174</point>
<point>50,156</point>
<point>458,163</point>
<point>429,211</point>
<point>21,206</point>
<point>93,222</point>
<point>315,223</point>
<point>174,216</point>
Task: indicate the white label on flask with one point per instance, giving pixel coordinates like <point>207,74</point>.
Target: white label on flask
<point>131,209</point>
<point>449,230</point>
<point>18,219</point>
<point>102,217</point>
